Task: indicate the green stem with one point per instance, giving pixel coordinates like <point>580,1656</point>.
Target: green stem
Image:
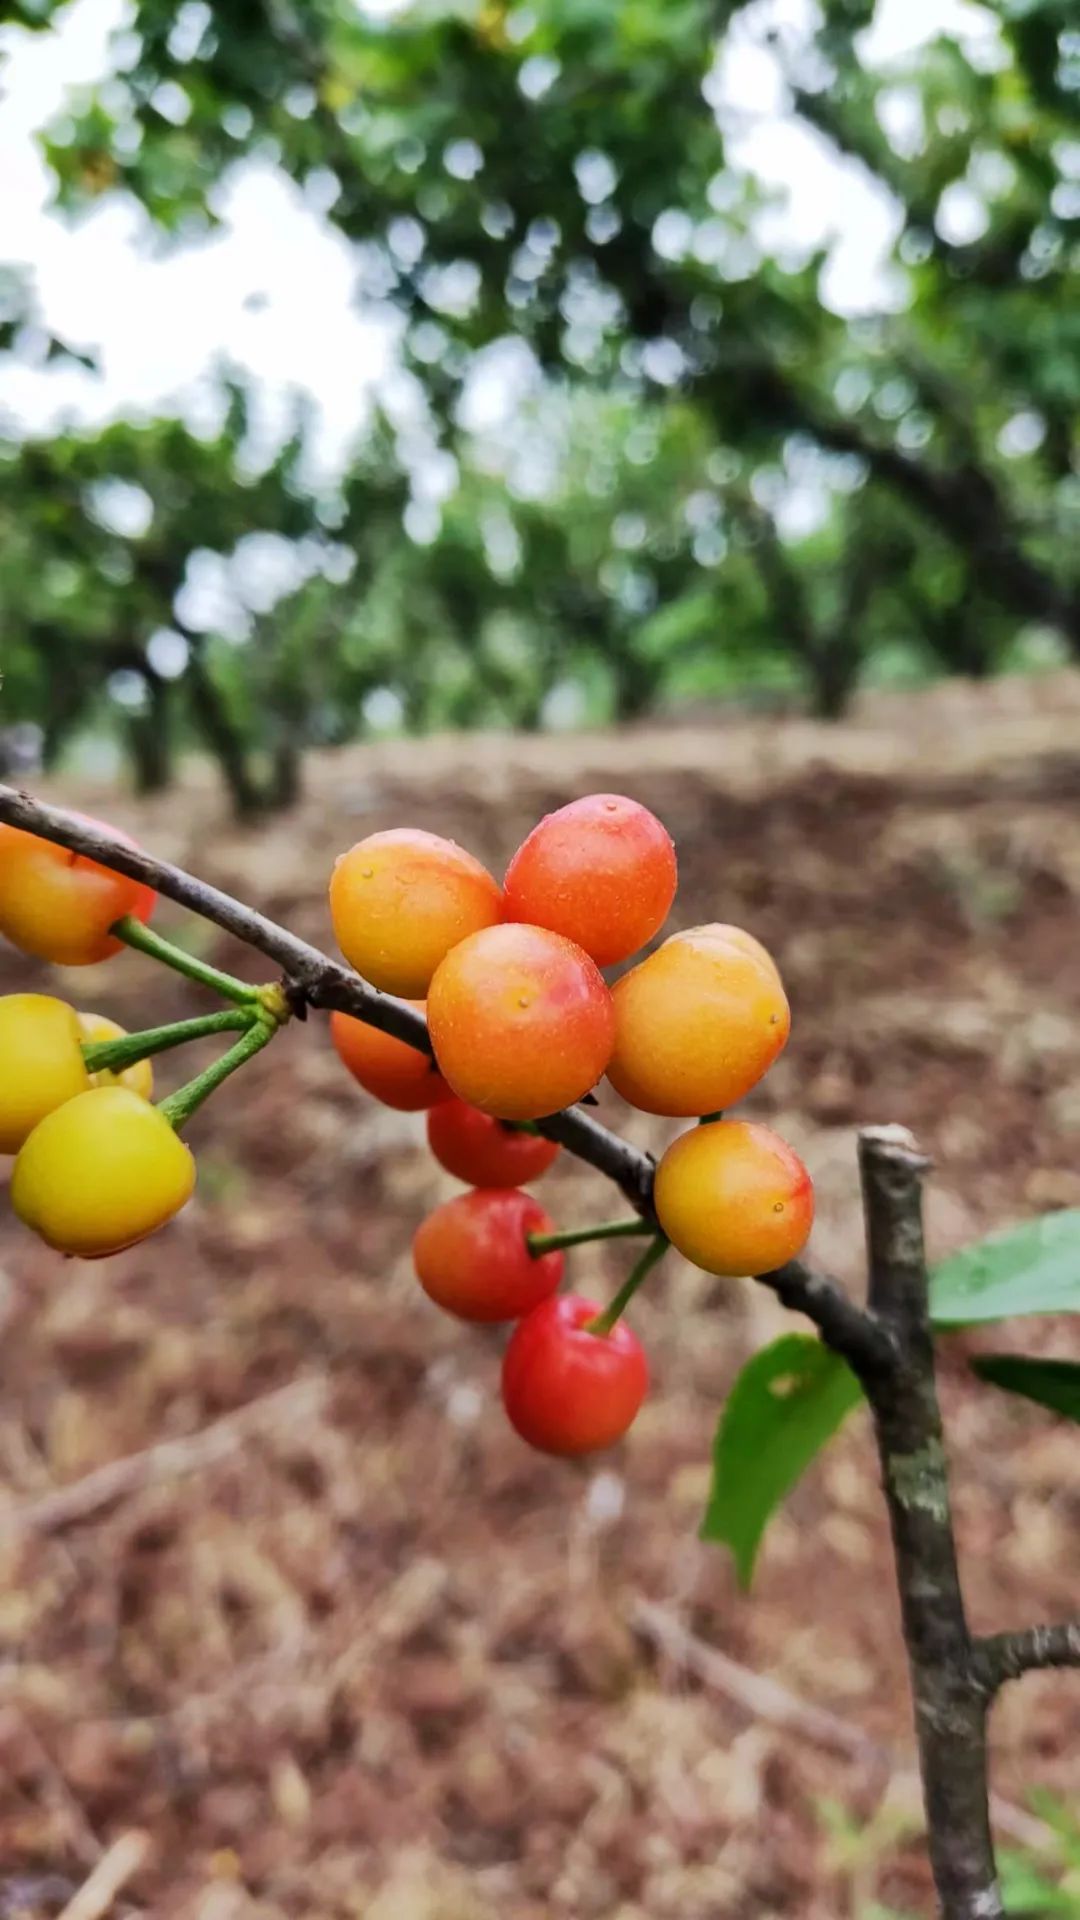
<point>134,934</point>
<point>604,1322</point>
<point>112,1056</point>
<point>539,1243</point>
<point>180,1106</point>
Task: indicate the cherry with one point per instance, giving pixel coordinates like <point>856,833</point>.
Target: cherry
<point>401,899</point>
<point>600,871</point>
<point>521,1021</point>
<point>697,1023</point>
<point>472,1257</point>
<point>389,1069</point>
<point>486,1152</point>
<point>734,1198</point>
<point>569,1391</point>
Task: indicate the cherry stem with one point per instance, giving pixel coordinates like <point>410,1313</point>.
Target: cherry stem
<point>604,1322</point>
<point>134,934</point>
<point>180,1106</point>
<point>539,1243</point>
<point>101,1056</point>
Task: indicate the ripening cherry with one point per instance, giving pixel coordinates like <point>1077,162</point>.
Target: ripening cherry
<point>521,1021</point>
<point>472,1256</point>
<point>567,1390</point>
<point>486,1152</point>
<point>734,1198</point>
<point>697,1024</point>
<point>139,1077</point>
<point>100,1173</point>
<point>60,905</point>
<point>41,1064</point>
<point>600,871</point>
<point>726,935</point>
<point>401,899</point>
<point>395,1073</point>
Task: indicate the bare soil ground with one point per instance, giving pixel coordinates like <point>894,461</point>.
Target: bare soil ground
<point>357,1652</point>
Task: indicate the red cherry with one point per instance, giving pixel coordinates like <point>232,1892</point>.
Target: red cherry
<point>471,1255</point>
<point>392,1071</point>
<point>600,871</point>
<point>476,1147</point>
<point>567,1390</point>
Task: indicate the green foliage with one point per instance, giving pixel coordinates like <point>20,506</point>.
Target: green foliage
<point>1043,1884</point>
<point>1048,1883</point>
<point>789,1399</point>
<point>1030,1268</point>
<point>720,487</point>
<point>1050,1383</point>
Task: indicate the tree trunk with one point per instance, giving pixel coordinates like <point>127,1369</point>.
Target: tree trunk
<point>223,737</point>
<point>149,741</point>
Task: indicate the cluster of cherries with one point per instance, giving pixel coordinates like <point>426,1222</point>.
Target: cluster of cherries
<point>522,1023</point>
<point>97,1165</point>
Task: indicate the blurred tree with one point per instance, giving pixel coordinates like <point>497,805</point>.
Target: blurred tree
<point>721,482</point>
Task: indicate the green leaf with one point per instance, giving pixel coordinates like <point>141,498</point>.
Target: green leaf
<point>787,1401</point>
<point>1050,1383</point>
<point>1032,1268</point>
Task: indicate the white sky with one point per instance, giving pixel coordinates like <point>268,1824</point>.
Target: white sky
<point>274,291</point>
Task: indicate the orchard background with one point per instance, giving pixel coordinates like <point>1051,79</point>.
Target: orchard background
<point>362,1652</point>
<point>426,412</point>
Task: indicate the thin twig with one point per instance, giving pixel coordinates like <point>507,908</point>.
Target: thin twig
<point>298,1402</point>
<point>1001,1657</point>
<point>121,1863</point>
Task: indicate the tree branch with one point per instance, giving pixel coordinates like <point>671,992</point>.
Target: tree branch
<point>1002,1657</point>
<point>859,1337</point>
<point>950,1709</point>
<point>313,978</point>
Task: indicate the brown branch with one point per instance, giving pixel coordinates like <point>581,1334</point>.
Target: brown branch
<point>859,1337</point>
<point>1002,1657</point>
<point>312,978</point>
<point>950,1709</point>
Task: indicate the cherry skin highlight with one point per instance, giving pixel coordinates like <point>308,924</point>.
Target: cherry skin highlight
<point>400,900</point>
<point>59,905</point>
<point>472,1258</point>
<point>521,1021</point>
<point>601,871</point>
<point>566,1390</point>
<point>389,1069</point>
<point>697,1024</point>
<point>734,1198</point>
<point>483,1151</point>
